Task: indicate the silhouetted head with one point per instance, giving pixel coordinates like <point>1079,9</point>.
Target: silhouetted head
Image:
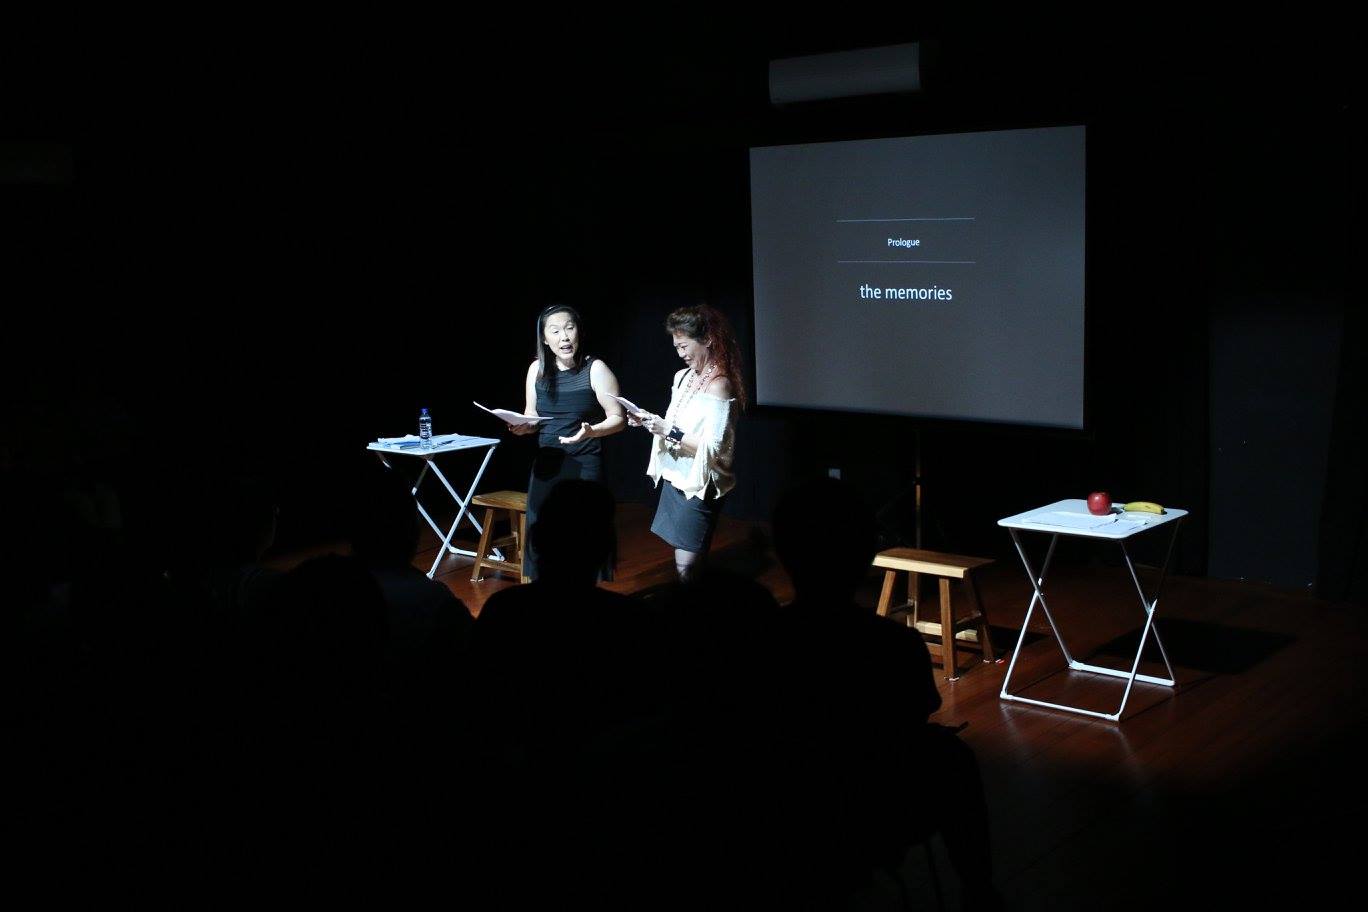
<point>242,512</point>
<point>254,511</point>
<point>826,538</point>
<point>383,521</point>
<point>574,534</point>
<point>324,638</point>
<point>330,616</point>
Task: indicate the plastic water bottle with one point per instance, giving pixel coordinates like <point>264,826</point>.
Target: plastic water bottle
<point>425,429</point>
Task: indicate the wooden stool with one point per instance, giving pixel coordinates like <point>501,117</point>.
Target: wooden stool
<point>514,503</point>
<point>969,632</point>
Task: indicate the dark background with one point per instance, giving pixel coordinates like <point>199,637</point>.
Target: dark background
<point>253,246</point>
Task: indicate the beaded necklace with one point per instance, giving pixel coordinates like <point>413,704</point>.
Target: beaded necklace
<point>697,382</point>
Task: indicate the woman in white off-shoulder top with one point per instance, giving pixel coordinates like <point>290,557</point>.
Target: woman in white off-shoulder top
<point>694,443</point>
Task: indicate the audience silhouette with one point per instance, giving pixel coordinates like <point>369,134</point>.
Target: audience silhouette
<point>862,692</point>
<point>345,729</point>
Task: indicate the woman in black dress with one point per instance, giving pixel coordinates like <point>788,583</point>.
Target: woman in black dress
<point>568,387</point>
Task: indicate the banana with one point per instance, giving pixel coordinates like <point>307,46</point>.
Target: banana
<point>1142,506</point>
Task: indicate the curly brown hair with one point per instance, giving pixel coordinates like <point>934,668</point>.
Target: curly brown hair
<point>705,323</point>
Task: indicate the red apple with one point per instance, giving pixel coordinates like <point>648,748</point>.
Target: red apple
<point>1099,503</point>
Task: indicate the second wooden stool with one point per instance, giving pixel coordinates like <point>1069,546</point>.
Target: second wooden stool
<point>514,503</point>
<point>968,632</point>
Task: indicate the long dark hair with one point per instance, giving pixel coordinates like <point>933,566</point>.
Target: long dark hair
<point>705,323</point>
<point>546,361</point>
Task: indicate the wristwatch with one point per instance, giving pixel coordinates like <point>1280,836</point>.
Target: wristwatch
<point>676,435</point>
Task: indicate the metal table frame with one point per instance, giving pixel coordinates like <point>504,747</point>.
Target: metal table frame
<point>429,457</point>
<point>1039,521</point>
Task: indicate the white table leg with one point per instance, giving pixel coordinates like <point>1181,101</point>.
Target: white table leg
<point>462,514</point>
<point>418,482</point>
<point>1148,605</point>
<point>429,463</point>
<point>1037,595</point>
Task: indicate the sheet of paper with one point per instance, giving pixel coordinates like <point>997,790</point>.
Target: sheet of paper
<point>409,441</point>
<point>1065,519</point>
<point>511,417</point>
<point>631,407</point>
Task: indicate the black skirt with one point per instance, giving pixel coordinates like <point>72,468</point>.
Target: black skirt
<point>686,523</point>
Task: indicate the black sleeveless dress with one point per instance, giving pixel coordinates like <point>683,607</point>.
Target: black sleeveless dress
<point>572,403</point>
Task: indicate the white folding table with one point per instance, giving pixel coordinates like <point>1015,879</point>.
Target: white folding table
<point>1071,517</point>
<point>450,443</point>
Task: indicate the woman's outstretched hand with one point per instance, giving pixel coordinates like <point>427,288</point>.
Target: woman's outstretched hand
<point>585,432</point>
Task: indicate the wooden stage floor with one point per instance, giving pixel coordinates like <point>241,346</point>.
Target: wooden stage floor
<point>1240,787</point>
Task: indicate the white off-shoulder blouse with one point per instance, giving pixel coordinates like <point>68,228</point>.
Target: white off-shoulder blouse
<point>712,421</point>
